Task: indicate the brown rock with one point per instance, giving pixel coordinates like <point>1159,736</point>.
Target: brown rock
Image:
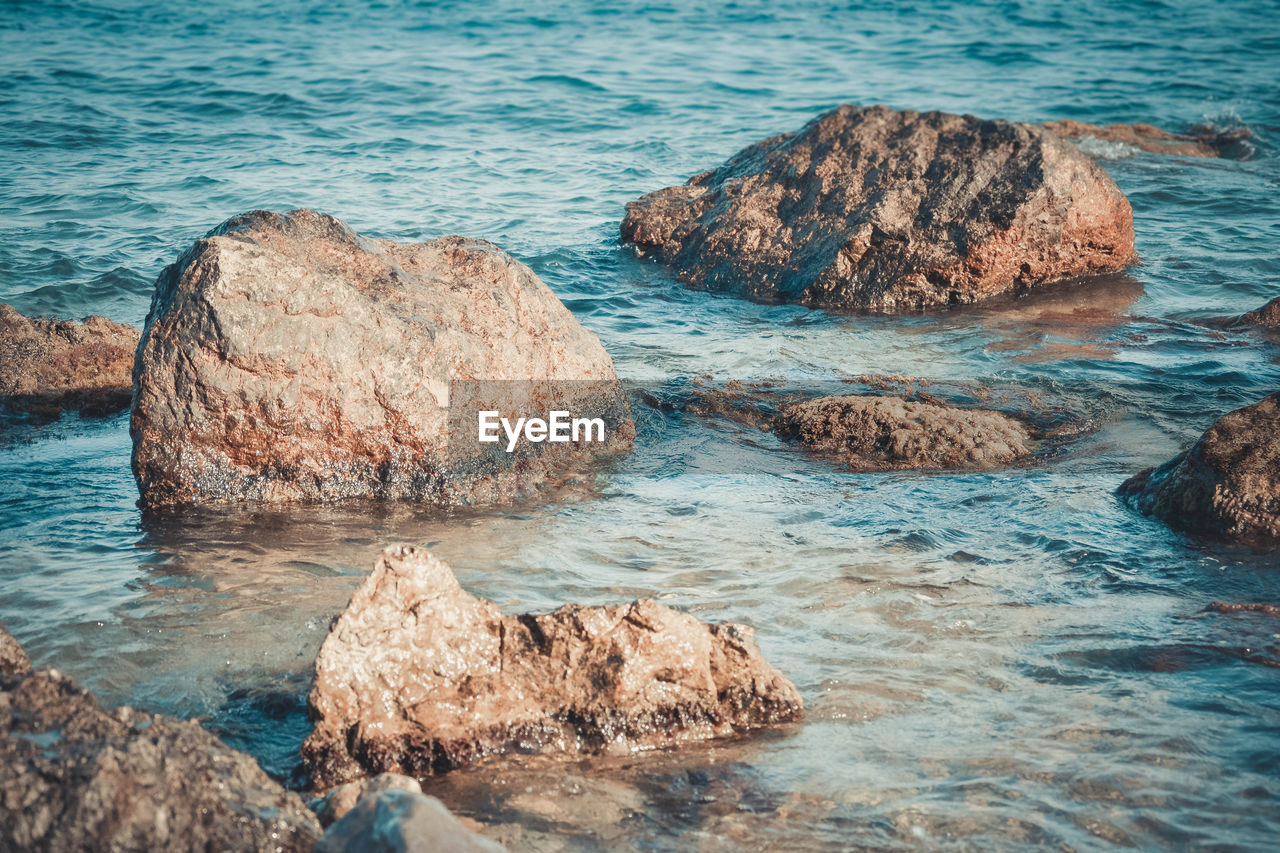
<point>872,208</point>
<point>1227,484</point>
<point>419,677</point>
<point>1264,608</point>
<point>872,433</point>
<point>13,658</point>
<point>1151,138</point>
<point>50,365</point>
<point>342,799</point>
<point>399,821</point>
<point>76,777</point>
<point>1268,316</point>
<point>287,358</point>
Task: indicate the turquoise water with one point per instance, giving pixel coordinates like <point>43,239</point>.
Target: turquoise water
<point>989,660</point>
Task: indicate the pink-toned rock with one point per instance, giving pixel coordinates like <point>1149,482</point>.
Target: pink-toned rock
<point>13,658</point>
<point>419,677</point>
<point>1152,139</point>
<point>287,358</point>
<point>885,210</point>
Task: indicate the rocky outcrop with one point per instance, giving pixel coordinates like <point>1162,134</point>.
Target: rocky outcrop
<point>47,366</point>
<point>287,358</point>
<point>1267,317</point>
<point>399,821</point>
<point>1232,607</point>
<point>419,677</point>
<point>76,777</point>
<point>876,209</point>
<point>1227,484</point>
<point>873,433</point>
<point>1152,139</point>
<point>13,658</point>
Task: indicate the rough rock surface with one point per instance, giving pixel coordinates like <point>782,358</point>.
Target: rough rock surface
<point>342,799</point>
<point>286,358</point>
<point>872,208</point>
<point>50,365</point>
<point>419,677</point>
<point>1268,316</point>
<point>76,777</point>
<point>1151,138</point>
<point>1263,607</point>
<point>13,658</point>
<point>1227,484</point>
<point>873,433</point>
<point>399,821</point>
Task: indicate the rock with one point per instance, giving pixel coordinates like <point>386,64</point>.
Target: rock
<point>1227,484</point>
<point>875,209</point>
<point>398,821</point>
<point>13,658</point>
<point>76,777</point>
<point>342,799</point>
<point>419,677</point>
<point>1268,316</point>
<point>873,433</point>
<point>1152,139</point>
<point>286,358</point>
<point>47,366</point>
<point>1265,608</point>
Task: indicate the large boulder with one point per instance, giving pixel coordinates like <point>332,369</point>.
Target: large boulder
<point>419,677</point>
<point>47,366</point>
<point>1227,484</point>
<point>76,777</point>
<point>401,821</point>
<point>877,209</point>
<point>287,358</point>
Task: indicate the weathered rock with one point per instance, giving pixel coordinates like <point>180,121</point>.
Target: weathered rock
<point>419,677</point>
<point>286,358</point>
<point>13,657</point>
<point>1152,139</point>
<point>342,799</point>
<point>1268,316</point>
<point>76,777</point>
<point>1263,607</point>
<point>1227,484</point>
<point>50,365</point>
<point>873,433</point>
<point>872,208</point>
<point>398,821</point>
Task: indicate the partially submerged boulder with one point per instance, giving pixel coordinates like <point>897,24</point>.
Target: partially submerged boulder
<point>1227,484</point>
<point>1149,138</point>
<point>47,366</point>
<point>887,433</point>
<point>878,209</point>
<point>401,821</point>
<point>76,777</point>
<point>287,358</point>
<point>419,677</point>
<point>13,657</point>
<point>335,804</point>
<point>1266,317</point>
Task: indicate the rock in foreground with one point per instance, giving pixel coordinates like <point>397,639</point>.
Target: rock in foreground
<point>872,208</point>
<point>400,821</point>
<point>1227,484</point>
<point>47,366</point>
<point>419,677</point>
<point>1152,139</point>
<point>287,358</point>
<point>872,433</point>
<point>76,777</point>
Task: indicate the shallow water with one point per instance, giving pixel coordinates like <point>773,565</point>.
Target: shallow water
<point>988,660</point>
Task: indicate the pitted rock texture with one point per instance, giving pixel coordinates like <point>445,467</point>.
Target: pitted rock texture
<point>872,433</point>
<point>13,658</point>
<point>1267,317</point>
<point>875,209</point>
<point>286,358</point>
<point>76,777</point>
<point>419,677</point>
<point>47,366</point>
<point>1227,484</point>
<point>1152,139</point>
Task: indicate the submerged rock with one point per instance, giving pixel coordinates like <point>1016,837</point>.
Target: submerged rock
<point>873,433</point>
<point>885,210</point>
<point>1227,484</point>
<point>76,777</point>
<point>1263,607</point>
<point>338,801</point>
<point>400,821</point>
<point>419,677</point>
<point>47,366</point>
<point>1267,317</point>
<point>287,358</point>
<point>1152,139</point>
<point>13,658</point>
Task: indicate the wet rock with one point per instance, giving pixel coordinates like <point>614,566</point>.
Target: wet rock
<point>76,777</point>
<point>287,358</point>
<point>1265,608</point>
<point>872,208</point>
<point>399,821</point>
<point>1227,484</point>
<point>1268,316</point>
<point>1201,143</point>
<point>419,677</point>
<point>342,799</point>
<point>873,433</point>
<point>47,366</point>
<point>13,658</point>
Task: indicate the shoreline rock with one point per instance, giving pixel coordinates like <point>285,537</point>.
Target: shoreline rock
<point>1152,139</point>
<point>14,659</point>
<point>47,366</point>
<point>397,820</point>
<point>287,358</point>
<point>868,208</point>
<point>419,677</point>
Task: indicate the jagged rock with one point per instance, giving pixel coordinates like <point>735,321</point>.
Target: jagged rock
<point>286,358</point>
<point>342,799</point>
<point>13,657</point>
<point>1263,607</point>
<point>76,777</point>
<point>1268,316</point>
<point>399,821</point>
<point>1227,484</point>
<point>885,210</point>
<point>1152,139</point>
<point>50,365</point>
<point>873,433</point>
<point>419,677</point>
